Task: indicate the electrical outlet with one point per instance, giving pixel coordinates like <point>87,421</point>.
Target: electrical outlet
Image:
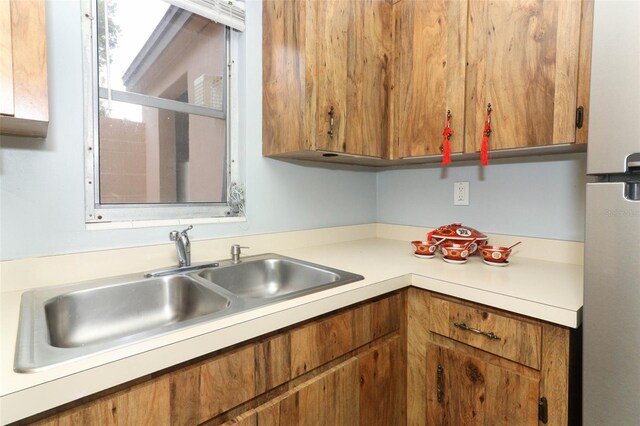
<point>461,193</point>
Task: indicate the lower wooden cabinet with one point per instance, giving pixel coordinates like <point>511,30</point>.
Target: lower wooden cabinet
<point>363,390</point>
<point>330,398</point>
<point>345,368</point>
<point>466,390</point>
<point>469,364</point>
<point>413,357</point>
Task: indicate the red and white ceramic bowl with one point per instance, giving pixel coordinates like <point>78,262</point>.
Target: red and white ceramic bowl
<point>424,248</point>
<point>495,254</point>
<point>455,252</point>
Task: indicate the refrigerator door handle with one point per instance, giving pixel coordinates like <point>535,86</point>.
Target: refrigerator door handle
<point>633,162</point>
<point>632,191</point>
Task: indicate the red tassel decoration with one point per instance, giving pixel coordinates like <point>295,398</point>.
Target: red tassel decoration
<point>446,153</point>
<point>484,148</point>
<point>446,146</point>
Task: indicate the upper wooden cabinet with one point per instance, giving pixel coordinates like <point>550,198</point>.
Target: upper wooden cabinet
<point>523,60</point>
<point>430,48</point>
<point>527,59</point>
<point>326,77</point>
<point>377,78</point>
<point>24,102</point>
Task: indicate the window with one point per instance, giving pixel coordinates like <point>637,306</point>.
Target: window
<point>159,101</point>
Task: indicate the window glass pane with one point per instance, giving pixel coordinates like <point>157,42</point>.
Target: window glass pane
<point>160,50</point>
<point>159,156</point>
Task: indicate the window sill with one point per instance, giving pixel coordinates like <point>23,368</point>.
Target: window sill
<point>134,224</point>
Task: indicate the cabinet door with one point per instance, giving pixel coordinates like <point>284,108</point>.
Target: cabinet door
<point>364,390</point>
<point>23,69</point>
<point>464,390</point>
<point>382,379</point>
<point>431,49</point>
<point>354,43</point>
<point>330,398</point>
<point>288,102</point>
<point>333,21</point>
<point>523,60</point>
<point>6,60</point>
<point>144,404</point>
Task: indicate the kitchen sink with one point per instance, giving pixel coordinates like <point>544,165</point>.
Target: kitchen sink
<point>60,324</point>
<point>102,314</point>
<point>66,323</point>
<point>275,277</point>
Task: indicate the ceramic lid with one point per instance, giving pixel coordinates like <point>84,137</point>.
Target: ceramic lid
<point>456,231</point>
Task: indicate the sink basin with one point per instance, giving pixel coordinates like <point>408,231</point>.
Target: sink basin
<point>63,323</point>
<point>86,317</point>
<point>271,276</point>
<point>66,323</point>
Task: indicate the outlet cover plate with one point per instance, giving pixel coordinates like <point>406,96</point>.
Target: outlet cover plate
<point>461,193</point>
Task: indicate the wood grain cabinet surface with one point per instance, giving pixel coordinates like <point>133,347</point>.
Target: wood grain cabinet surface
<point>377,79</point>
<point>523,58</point>
<point>326,77</point>
<point>363,390</point>
<point>513,338</point>
<point>528,60</point>
<point>24,99</point>
<point>492,368</point>
<point>430,54</point>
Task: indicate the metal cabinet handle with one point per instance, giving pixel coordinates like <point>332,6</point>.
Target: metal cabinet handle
<point>331,114</point>
<point>490,334</point>
<point>440,385</point>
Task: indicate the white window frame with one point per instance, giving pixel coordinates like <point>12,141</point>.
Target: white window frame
<point>146,214</point>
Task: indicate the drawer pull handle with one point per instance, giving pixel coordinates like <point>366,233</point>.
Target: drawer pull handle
<point>490,334</point>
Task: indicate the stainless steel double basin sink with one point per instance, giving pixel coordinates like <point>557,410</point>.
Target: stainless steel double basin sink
<point>65,323</point>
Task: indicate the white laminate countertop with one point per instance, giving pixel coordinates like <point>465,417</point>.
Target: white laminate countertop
<point>550,291</point>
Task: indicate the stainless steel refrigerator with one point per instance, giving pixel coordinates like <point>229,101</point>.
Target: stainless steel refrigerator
<point>611,313</point>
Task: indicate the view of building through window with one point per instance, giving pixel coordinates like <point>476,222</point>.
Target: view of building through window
<point>162,114</point>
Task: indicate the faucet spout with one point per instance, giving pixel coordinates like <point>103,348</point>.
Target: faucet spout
<point>183,246</point>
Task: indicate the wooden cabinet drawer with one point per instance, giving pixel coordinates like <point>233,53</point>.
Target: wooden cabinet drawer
<point>501,334</point>
<point>326,339</point>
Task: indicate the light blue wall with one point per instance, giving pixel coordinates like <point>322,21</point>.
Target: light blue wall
<point>42,194</point>
<point>537,197</point>
<point>41,182</point>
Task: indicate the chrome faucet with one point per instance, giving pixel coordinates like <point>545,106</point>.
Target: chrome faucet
<point>183,246</point>
<point>235,253</point>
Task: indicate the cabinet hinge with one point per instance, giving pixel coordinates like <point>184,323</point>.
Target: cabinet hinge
<point>543,410</point>
<point>579,117</point>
